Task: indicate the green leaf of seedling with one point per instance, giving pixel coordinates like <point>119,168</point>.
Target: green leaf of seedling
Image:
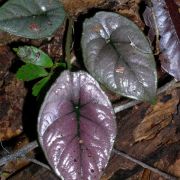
<point>61,64</point>
<point>29,72</point>
<point>39,85</point>
<point>33,55</point>
<point>31,19</point>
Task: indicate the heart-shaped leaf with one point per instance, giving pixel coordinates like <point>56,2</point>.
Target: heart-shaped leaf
<point>31,19</point>
<point>76,127</point>
<point>33,55</point>
<point>118,55</point>
<point>29,72</point>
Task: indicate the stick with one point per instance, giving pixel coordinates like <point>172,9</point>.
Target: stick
<point>144,165</point>
<point>20,153</point>
<point>68,44</point>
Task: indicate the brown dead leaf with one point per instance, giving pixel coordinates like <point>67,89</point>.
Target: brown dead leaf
<point>131,11</point>
<point>75,7</point>
<point>5,62</point>
<point>157,117</point>
<point>11,104</point>
<point>175,168</point>
<point>6,38</point>
<point>146,174</point>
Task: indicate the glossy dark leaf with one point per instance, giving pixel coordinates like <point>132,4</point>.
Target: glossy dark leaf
<point>33,55</point>
<point>167,20</point>
<point>118,55</point>
<point>29,72</point>
<point>76,127</point>
<point>31,19</point>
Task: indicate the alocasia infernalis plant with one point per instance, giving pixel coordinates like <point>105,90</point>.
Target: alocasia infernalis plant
<point>76,123</point>
<point>77,127</point>
<point>118,55</point>
<point>32,19</point>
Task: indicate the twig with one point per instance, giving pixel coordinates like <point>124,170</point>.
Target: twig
<point>126,106</point>
<point>20,153</point>
<point>4,147</point>
<point>68,45</point>
<point>38,163</point>
<point>162,89</point>
<point>144,165</point>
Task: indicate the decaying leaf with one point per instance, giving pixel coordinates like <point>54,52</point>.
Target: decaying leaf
<point>76,127</point>
<point>157,118</point>
<point>5,62</point>
<point>6,38</point>
<point>167,21</point>
<point>118,55</point>
<point>75,7</point>
<point>33,55</point>
<point>11,104</point>
<point>175,168</point>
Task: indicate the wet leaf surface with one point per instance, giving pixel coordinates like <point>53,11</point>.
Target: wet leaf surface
<point>77,127</point>
<point>167,21</point>
<point>118,55</point>
<point>31,19</point>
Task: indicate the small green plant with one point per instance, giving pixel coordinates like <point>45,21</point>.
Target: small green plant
<point>76,123</point>
<point>37,65</point>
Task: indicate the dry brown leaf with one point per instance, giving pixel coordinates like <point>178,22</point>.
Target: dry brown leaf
<point>146,174</point>
<point>131,11</point>
<point>157,117</point>
<point>6,38</point>
<point>175,168</point>
<point>5,62</point>
<point>75,7</point>
<point>11,104</point>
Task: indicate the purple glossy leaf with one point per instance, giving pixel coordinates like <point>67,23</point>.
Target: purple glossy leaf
<point>118,55</point>
<point>77,127</point>
<point>167,20</point>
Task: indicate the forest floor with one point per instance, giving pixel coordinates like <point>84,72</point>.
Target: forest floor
<point>148,133</point>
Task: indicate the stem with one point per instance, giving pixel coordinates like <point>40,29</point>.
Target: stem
<point>68,45</point>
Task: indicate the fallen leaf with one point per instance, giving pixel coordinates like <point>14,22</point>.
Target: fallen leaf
<point>11,105</point>
<point>157,117</point>
<point>75,7</point>
<point>175,168</point>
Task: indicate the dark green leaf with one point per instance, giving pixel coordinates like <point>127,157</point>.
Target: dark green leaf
<point>29,72</point>
<point>39,85</point>
<point>31,19</point>
<point>33,55</point>
<point>118,55</point>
